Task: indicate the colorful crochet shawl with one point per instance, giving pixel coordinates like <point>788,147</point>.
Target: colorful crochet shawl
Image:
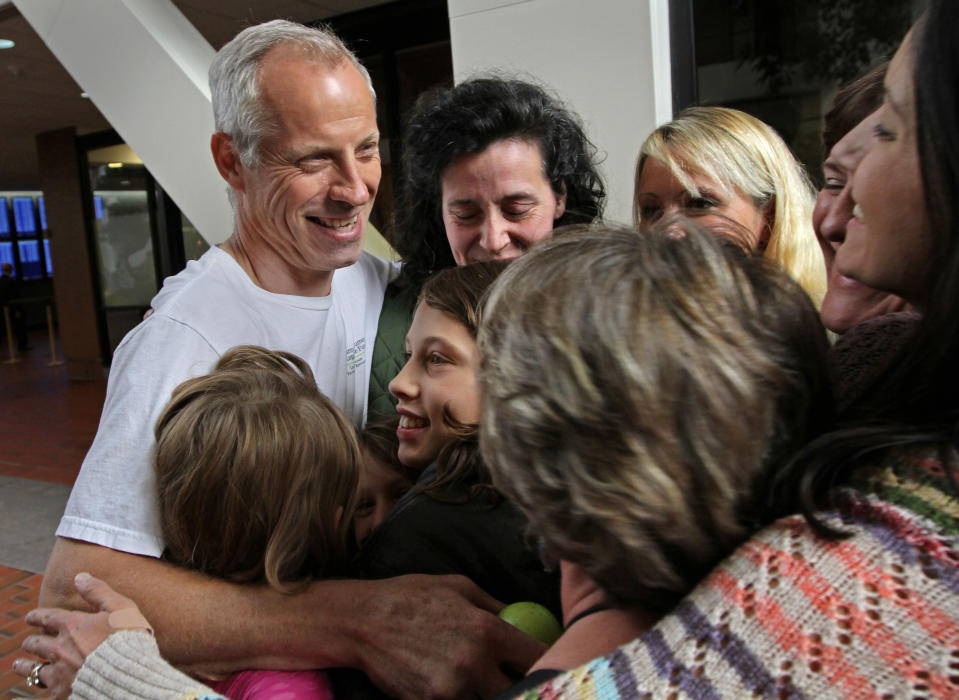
<point>791,615</point>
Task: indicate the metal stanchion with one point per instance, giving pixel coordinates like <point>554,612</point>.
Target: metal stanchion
<point>53,343</point>
<point>6,320</point>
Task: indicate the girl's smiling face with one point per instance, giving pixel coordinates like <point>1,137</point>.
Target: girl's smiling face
<point>439,377</point>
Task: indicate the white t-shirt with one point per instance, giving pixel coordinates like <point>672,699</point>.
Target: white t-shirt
<point>199,314</point>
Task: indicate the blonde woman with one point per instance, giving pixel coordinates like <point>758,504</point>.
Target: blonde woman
<point>716,160</point>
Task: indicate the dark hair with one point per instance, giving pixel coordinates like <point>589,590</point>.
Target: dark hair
<point>379,439</point>
<point>936,77</point>
<point>460,292</point>
<point>450,122</point>
<point>852,103</point>
<point>917,399</point>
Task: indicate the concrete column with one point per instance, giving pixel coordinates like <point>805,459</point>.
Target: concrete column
<point>608,58</point>
<point>70,252</point>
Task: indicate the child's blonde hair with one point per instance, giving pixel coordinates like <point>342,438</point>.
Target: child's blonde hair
<point>257,472</point>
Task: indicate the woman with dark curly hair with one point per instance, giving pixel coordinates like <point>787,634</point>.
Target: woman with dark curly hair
<point>490,167</point>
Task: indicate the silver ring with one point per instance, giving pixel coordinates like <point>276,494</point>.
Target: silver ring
<point>33,678</point>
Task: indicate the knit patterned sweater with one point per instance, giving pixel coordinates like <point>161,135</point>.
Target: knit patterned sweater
<point>791,615</point>
<point>128,665</point>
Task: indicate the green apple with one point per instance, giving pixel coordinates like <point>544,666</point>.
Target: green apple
<point>534,620</point>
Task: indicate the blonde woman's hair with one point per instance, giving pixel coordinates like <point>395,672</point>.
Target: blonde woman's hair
<point>745,156</point>
<point>257,472</point>
<point>639,391</point>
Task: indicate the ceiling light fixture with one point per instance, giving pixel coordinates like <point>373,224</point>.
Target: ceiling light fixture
<point>7,44</point>
<point>85,95</point>
<point>114,165</point>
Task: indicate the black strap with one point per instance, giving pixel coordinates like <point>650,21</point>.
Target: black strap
<point>599,607</point>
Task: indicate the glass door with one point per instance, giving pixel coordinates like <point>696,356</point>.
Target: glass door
<point>123,237</point>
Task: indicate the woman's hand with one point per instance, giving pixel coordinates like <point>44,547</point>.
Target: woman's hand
<point>68,636</point>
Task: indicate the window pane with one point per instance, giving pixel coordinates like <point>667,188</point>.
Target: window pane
<point>23,215</point>
<point>4,218</point>
<point>30,260</point>
<point>782,60</point>
<point>46,253</point>
<point>125,248</point>
<point>194,245</point>
<point>6,252</point>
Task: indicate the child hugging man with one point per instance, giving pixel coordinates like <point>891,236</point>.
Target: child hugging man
<point>257,474</point>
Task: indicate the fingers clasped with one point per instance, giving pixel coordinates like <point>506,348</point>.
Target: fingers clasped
<point>66,637</point>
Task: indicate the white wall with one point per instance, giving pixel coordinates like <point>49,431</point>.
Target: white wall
<point>144,66</point>
<point>608,58</point>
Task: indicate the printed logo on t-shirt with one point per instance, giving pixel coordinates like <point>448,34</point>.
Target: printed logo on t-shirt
<point>355,356</point>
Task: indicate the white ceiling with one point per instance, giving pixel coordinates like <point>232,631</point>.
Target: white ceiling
<point>37,94</point>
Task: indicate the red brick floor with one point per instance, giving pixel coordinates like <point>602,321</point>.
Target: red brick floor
<point>18,594</point>
<point>46,426</point>
<point>46,421</point>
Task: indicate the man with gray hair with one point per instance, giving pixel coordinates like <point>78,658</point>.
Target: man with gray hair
<point>298,145</point>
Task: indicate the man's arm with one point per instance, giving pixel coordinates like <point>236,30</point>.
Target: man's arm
<point>415,636</point>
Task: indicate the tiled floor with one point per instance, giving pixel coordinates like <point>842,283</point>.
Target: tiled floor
<point>46,425</point>
<point>46,422</point>
<point>18,594</point>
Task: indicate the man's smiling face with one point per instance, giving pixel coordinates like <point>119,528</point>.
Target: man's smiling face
<point>308,200</point>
